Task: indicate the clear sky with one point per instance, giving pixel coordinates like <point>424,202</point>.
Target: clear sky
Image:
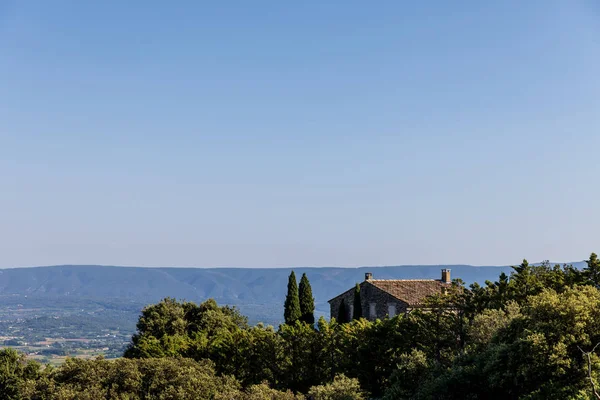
<point>298,133</point>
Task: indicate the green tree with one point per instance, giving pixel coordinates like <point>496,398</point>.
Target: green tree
<point>357,313</point>
<point>592,270</point>
<point>342,316</point>
<point>174,329</point>
<point>253,355</point>
<point>157,378</point>
<point>303,365</point>
<point>523,280</point>
<point>329,346</point>
<point>16,373</point>
<point>533,353</point>
<point>342,388</point>
<point>412,370</point>
<point>307,301</point>
<point>368,351</point>
<point>292,311</point>
<point>488,323</point>
<point>264,392</point>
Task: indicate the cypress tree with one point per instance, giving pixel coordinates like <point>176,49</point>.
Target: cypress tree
<point>307,301</point>
<point>342,313</point>
<point>357,314</point>
<point>291,311</point>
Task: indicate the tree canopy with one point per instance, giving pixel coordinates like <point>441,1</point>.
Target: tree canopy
<point>342,316</point>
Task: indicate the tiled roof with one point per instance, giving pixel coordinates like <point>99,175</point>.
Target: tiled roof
<point>412,292</point>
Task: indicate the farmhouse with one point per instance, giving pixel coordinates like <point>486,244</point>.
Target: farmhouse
<point>381,298</point>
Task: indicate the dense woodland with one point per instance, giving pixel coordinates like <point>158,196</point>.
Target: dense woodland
<point>530,335</point>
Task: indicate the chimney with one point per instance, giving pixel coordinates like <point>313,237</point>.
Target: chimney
<point>368,276</point>
<point>446,276</point>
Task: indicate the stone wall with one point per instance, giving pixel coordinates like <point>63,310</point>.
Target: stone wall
<point>370,297</point>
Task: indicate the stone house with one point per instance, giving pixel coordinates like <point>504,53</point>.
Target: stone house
<point>381,298</point>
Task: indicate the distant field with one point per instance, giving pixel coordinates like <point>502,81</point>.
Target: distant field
<point>49,351</point>
<point>49,330</point>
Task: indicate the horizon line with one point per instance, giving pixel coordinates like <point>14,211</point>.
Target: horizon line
<point>286,268</point>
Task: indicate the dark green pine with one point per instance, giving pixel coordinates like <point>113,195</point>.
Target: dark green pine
<point>291,311</point>
<point>342,317</point>
<point>307,301</point>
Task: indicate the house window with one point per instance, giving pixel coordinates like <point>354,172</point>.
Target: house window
<point>372,310</point>
<point>391,310</point>
<point>351,312</point>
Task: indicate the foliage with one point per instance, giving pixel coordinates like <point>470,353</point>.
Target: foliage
<point>342,388</point>
<point>532,353</point>
<point>307,301</point>
<point>342,316</point>
<point>292,312</point>
<point>16,373</point>
<point>489,322</point>
<point>357,309</point>
<point>161,378</point>
<point>264,392</point>
<point>411,372</point>
<point>592,270</point>
<point>303,363</point>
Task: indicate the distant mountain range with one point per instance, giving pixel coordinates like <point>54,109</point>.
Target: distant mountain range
<point>258,292</point>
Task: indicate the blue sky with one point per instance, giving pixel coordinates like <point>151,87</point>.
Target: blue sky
<point>313,133</point>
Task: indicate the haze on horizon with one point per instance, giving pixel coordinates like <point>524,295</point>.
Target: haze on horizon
<point>298,134</point>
